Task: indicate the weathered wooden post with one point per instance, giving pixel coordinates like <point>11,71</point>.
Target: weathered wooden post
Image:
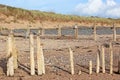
<point>59,31</point>
<point>10,65</point>
<point>14,53</point>
<point>32,63</point>
<point>95,32</point>
<point>76,31</point>
<point>71,61</point>
<point>98,60</point>
<point>39,31</point>
<point>27,32</point>
<point>43,32</point>
<point>90,67</point>
<point>114,32</point>
<point>40,58</point>
<point>111,58</point>
<point>119,62</point>
<point>103,59</point>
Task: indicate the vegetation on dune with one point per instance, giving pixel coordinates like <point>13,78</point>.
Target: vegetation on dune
<point>33,15</point>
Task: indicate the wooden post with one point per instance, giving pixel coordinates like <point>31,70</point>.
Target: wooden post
<point>111,59</point>
<point>11,31</point>
<point>32,63</point>
<point>27,33</point>
<point>14,53</point>
<point>42,60</point>
<point>39,31</point>
<point>94,32</point>
<point>114,33</point>
<point>59,31</point>
<point>10,66</point>
<point>119,62</point>
<point>76,31</point>
<point>9,45</point>
<point>43,32</point>
<point>79,73</point>
<point>38,57</point>
<point>98,60</point>
<point>103,59</point>
<point>90,67</point>
<point>71,61</point>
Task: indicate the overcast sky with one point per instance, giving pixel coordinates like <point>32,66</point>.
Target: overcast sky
<point>101,8</point>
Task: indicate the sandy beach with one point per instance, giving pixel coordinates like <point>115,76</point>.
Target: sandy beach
<point>56,55</point>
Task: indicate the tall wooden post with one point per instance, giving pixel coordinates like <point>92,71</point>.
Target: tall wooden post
<point>38,57</point>
<point>111,59</point>
<point>114,33</point>
<point>95,32</point>
<point>59,31</point>
<point>98,60</point>
<point>76,31</point>
<point>90,67</point>
<point>32,63</point>
<point>10,65</point>
<point>42,60</point>
<point>103,59</point>
<point>14,53</point>
<point>71,61</point>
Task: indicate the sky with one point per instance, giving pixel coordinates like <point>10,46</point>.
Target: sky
<point>100,8</point>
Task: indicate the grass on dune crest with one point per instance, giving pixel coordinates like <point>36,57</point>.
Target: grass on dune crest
<point>34,15</point>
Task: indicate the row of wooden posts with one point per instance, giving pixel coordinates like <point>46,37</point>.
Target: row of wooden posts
<point>95,33</point>
<point>12,58</point>
<point>40,57</point>
<point>12,54</point>
<point>42,32</point>
<point>101,51</point>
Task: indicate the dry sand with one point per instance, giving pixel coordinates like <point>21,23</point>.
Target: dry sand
<point>22,24</point>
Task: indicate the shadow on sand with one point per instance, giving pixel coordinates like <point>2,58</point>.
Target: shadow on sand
<point>3,64</point>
